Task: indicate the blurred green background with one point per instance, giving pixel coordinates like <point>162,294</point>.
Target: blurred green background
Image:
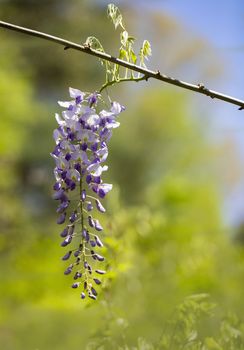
<point>176,270</point>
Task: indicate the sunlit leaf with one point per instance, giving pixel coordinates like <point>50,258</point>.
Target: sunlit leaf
<point>115,15</point>
<point>123,54</point>
<point>124,37</point>
<point>146,49</point>
<point>133,56</point>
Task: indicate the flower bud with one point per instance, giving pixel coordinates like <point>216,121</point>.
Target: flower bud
<point>94,292</point>
<point>97,225</point>
<point>73,217</point>
<point>91,221</point>
<point>61,219</point>
<point>92,243</point>
<point>99,206</point>
<point>67,255</point>
<point>67,241</point>
<point>98,241</point>
<point>99,257</point>
<point>96,280</point>
<point>89,206</point>
<point>92,296</point>
<point>100,272</point>
<point>64,233</point>
<point>77,253</point>
<point>57,186</point>
<point>77,275</point>
<point>83,195</point>
<point>68,270</point>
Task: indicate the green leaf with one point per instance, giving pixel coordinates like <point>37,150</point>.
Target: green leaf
<point>124,37</point>
<point>122,54</point>
<point>115,15</point>
<point>133,56</point>
<point>145,50</point>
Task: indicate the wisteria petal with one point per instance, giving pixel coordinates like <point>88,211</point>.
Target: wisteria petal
<point>65,104</point>
<point>75,93</point>
<point>117,108</point>
<point>100,206</point>
<point>103,189</point>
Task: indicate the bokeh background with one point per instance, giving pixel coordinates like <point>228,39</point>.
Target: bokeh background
<point>175,219</point>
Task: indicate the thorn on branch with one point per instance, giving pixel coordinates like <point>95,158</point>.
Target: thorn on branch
<point>67,47</point>
<point>201,86</point>
<point>240,108</point>
<point>87,46</point>
<point>158,73</point>
<point>204,90</point>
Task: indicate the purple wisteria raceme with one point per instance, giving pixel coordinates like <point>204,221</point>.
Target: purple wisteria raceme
<point>81,149</point>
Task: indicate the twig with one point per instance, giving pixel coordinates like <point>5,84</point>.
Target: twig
<point>200,88</point>
<point>112,82</point>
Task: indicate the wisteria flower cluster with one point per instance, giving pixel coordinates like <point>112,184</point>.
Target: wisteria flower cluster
<point>81,149</point>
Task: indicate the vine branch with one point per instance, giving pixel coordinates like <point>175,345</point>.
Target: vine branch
<point>200,88</point>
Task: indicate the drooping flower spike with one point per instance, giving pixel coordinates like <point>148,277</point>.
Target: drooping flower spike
<point>81,149</point>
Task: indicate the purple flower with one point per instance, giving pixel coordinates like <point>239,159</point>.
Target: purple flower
<point>59,195</point>
<point>92,243</point>
<point>99,206</point>
<point>64,233</point>
<point>92,296</point>
<point>61,219</point>
<point>77,253</point>
<point>98,241</point>
<point>100,272</point>
<point>89,178</point>
<point>68,270</point>
<point>67,255</point>
<point>89,206</point>
<point>62,207</point>
<point>83,195</point>
<point>86,235</point>
<point>99,257</point>
<point>73,217</point>
<point>91,221</point>
<point>97,225</point>
<point>57,186</point>
<point>103,189</point>
<point>96,280</point>
<point>77,275</point>
<point>92,99</point>
<point>93,290</point>
<point>67,241</point>
<point>80,152</point>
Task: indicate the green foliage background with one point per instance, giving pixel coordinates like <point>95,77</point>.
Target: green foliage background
<point>176,278</point>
